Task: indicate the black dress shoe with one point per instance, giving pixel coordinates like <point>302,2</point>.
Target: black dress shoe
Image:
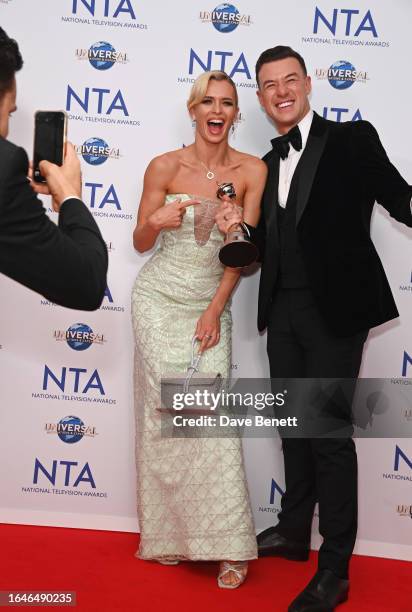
<point>272,544</point>
<point>324,592</point>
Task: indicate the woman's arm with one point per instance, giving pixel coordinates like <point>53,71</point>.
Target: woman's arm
<point>256,173</point>
<point>229,214</point>
<point>253,205</point>
<point>208,326</point>
<point>153,215</point>
<point>153,197</point>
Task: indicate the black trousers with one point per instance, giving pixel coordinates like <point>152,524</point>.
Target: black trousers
<point>320,470</point>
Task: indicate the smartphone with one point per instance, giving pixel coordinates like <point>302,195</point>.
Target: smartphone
<point>50,129</point>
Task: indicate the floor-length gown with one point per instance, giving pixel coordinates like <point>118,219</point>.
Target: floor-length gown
<point>193,500</point>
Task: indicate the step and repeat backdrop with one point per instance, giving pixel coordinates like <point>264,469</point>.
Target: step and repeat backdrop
<point>122,70</point>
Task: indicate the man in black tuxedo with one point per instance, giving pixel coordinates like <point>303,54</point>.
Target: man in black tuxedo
<point>67,264</point>
<point>322,288</point>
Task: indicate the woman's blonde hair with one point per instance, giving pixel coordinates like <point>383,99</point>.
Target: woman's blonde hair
<point>200,86</point>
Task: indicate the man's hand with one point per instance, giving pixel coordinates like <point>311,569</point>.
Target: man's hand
<point>61,181</point>
<point>228,215</point>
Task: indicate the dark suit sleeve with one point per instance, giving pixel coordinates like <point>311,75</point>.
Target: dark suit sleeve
<point>381,177</point>
<point>66,264</point>
<point>258,236</point>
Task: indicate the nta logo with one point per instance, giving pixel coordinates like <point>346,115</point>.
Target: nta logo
<point>92,382</point>
<point>407,361</point>
<point>399,454</point>
<point>104,8</point>
<point>65,469</point>
<point>94,103</point>
<point>99,200</point>
<point>216,60</point>
<point>339,114</point>
<point>275,488</point>
<point>341,20</point>
<point>407,287</point>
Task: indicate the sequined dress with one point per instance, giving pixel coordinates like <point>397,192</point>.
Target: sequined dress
<point>192,496</point>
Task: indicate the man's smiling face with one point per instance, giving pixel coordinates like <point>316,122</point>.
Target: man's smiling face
<point>283,92</point>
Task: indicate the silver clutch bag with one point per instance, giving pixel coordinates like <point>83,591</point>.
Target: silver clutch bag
<point>190,392</point>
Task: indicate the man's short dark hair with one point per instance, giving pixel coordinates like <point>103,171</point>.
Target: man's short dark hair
<point>10,61</point>
<point>278,53</point>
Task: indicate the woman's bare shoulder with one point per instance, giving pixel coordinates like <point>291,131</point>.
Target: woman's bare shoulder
<point>255,170</point>
<point>250,161</point>
<point>165,163</point>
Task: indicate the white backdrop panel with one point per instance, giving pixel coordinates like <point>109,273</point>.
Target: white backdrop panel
<point>137,107</point>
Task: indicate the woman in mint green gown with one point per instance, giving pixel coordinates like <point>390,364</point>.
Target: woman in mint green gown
<point>193,501</point>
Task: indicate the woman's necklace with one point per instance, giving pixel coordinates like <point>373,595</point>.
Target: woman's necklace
<point>209,174</point>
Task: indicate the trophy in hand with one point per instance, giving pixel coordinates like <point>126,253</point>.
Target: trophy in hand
<point>238,250</point>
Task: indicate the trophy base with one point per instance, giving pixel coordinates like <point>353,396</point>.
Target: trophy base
<point>238,254</point>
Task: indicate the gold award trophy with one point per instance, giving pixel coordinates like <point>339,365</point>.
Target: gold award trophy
<point>238,250</point>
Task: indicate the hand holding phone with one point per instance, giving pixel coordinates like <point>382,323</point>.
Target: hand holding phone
<point>49,140</point>
<point>61,182</point>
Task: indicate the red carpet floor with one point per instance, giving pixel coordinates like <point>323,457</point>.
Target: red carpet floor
<point>101,568</point>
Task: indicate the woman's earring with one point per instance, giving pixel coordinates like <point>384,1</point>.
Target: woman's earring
<point>233,128</point>
<point>193,123</point>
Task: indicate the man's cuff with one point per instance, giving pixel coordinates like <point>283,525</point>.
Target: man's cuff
<point>72,197</point>
<point>245,229</point>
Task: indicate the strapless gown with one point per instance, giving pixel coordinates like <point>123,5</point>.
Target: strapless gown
<point>192,495</point>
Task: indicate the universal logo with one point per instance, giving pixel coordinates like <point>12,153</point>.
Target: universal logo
<point>95,151</point>
<point>79,336</point>
<point>341,75</point>
<point>71,429</point>
<point>102,55</point>
<point>404,511</point>
<point>225,18</point>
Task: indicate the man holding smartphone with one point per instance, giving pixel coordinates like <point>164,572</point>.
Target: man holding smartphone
<point>67,264</point>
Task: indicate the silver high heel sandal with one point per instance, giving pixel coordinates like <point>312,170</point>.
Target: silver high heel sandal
<point>236,568</point>
<point>168,561</point>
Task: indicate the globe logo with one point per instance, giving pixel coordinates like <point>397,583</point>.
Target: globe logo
<point>342,74</point>
<point>102,55</point>
<point>94,151</point>
<point>224,18</point>
<point>70,429</point>
<point>79,336</point>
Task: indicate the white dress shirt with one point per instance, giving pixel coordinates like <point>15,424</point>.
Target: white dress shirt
<point>288,166</point>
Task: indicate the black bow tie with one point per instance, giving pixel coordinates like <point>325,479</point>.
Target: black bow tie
<point>281,143</point>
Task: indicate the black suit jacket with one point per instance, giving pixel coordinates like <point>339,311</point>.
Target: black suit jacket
<point>66,264</point>
<point>342,172</point>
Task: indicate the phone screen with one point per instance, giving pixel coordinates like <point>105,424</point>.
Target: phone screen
<point>49,138</point>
